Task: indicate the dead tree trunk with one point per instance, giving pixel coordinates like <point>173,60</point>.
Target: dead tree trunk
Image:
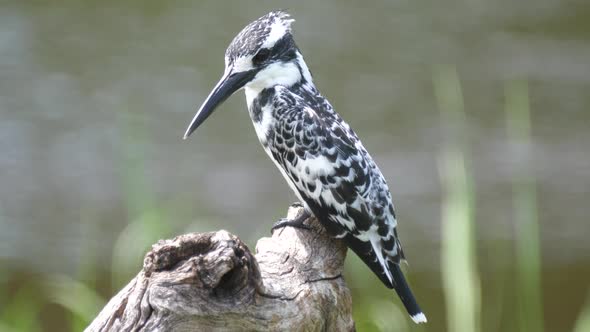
<point>212,282</point>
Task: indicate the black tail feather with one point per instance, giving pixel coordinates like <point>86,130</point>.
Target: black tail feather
<point>405,294</point>
<point>365,252</point>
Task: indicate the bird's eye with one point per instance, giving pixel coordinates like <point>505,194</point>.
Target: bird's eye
<point>261,56</point>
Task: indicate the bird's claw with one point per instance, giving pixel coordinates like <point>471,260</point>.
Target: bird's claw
<point>298,222</point>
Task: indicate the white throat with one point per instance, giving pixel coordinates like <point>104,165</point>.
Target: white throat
<point>279,73</point>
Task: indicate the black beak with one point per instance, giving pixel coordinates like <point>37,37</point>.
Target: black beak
<point>228,84</point>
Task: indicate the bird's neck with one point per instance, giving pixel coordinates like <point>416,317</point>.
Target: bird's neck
<point>288,74</point>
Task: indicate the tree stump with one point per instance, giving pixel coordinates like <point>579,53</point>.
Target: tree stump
<point>212,282</point>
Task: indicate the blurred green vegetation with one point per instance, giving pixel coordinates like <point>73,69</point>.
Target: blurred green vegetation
<point>68,303</point>
<point>458,253</point>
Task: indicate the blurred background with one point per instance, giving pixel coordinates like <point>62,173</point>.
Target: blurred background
<point>476,111</point>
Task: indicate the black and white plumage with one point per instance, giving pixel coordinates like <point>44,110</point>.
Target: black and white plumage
<point>320,156</point>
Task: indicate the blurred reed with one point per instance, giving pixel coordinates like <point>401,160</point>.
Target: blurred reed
<point>458,252</point>
<point>528,255</point>
<point>77,297</point>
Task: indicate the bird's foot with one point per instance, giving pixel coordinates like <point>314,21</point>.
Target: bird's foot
<point>298,222</point>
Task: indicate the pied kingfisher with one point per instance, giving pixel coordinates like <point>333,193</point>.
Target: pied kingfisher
<point>320,156</point>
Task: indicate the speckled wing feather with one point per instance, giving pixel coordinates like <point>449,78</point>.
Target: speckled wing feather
<point>327,166</point>
<point>336,178</point>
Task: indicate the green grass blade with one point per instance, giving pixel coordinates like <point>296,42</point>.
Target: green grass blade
<point>458,253</point>
<point>75,296</point>
<point>528,252</point>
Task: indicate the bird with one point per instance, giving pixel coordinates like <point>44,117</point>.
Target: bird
<point>319,155</point>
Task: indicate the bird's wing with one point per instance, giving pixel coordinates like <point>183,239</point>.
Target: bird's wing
<point>340,184</point>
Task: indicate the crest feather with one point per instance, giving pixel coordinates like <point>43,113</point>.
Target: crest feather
<point>284,17</point>
<point>262,32</point>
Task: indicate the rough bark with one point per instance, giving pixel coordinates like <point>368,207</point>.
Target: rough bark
<point>212,282</point>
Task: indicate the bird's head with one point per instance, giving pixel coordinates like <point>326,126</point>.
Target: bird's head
<point>262,55</point>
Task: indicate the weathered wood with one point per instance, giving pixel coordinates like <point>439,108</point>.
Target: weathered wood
<point>212,282</point>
